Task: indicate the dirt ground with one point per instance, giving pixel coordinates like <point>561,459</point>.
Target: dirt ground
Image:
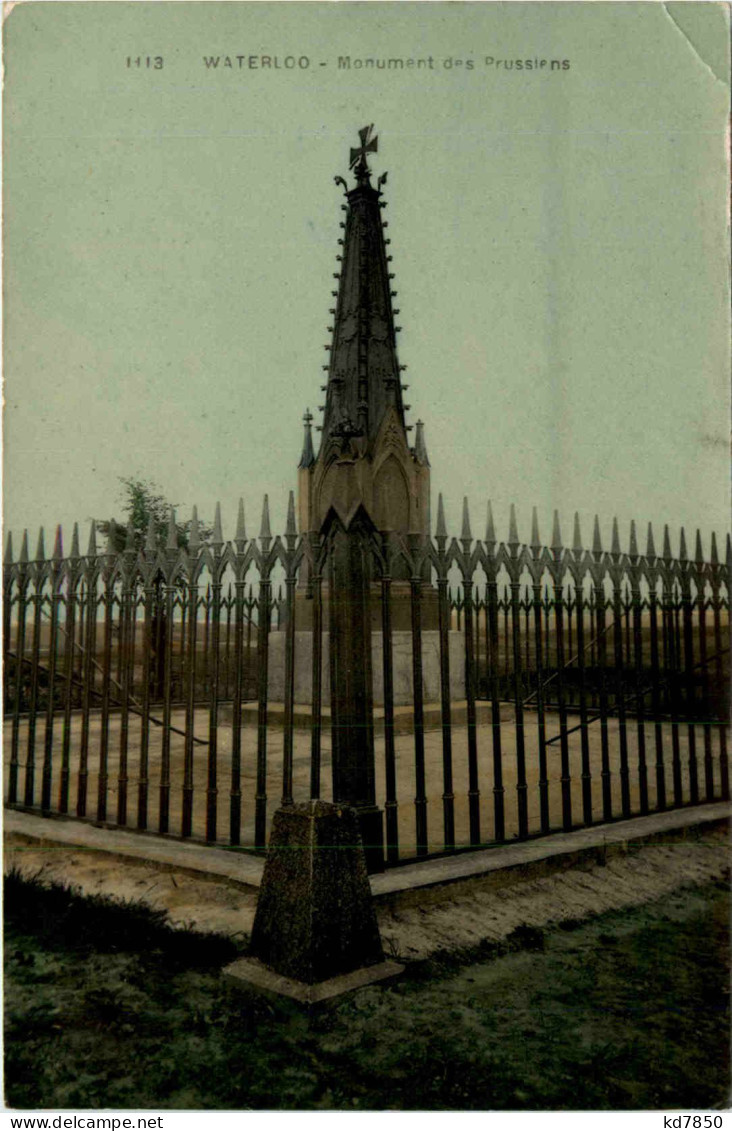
<point>414,932</point>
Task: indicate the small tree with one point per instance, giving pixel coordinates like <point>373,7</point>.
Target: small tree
<point>142,502</point>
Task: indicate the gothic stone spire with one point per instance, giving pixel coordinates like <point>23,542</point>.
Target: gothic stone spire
<point>363,374</point>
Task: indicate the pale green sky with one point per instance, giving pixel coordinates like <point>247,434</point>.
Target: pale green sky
<point>559,243</point>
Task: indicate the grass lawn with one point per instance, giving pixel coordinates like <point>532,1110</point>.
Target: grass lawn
<point>107,1007</point>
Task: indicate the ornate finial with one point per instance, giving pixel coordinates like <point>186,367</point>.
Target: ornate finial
<point>92,547</point>
<point>307,459</point>
<point>465,535</point>
<point>194,538</point>
<point>151,540</point>
<point>556,533</point>
<point>650,547</point>
<point>441,530</point>
<point>577,535</point>
<point>633,551</point>
<point>9,549</point>
<point>698,552</point>
<point>24,549</point>
<point>58,550</point>
<point>714,557</point>
<point>682,546</point>
<point>535,539</point>
<point>596,539</point>
<point>218,537</point>
<point>615,543</point>
<point>513,538</point>
<point>75,542</point>
<point>368,145</point>
<point>666,544</point>
<point>172,542</point>
<point>40,548</point>
<point>290,526</point>
<point>241,531</point>
<point>420,449</point>
<point>490,530</point>
<point>265,533</point>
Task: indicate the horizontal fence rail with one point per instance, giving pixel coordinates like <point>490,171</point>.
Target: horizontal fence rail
<point>518,689</point>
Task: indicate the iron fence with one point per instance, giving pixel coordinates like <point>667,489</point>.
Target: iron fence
<point>190,691</point>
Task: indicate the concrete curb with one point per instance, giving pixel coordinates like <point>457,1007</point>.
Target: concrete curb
<point>425,882</point>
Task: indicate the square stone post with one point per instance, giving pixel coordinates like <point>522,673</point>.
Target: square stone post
<point>351,680</point>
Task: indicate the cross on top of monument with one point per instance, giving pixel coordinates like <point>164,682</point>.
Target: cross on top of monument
<point>368,144</point>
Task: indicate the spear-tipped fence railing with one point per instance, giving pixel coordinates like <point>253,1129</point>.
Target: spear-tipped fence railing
<point>556,686</point>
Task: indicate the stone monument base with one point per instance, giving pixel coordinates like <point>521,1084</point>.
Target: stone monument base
<point>402,666</point>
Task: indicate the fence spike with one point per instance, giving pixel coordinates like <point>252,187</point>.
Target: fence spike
<point>633,540</point>
<point>441,529</point>
<point>556,533</point>
<point>218,537</point>
<point>264,530</point>
<point>666,544</point>
<point>130,537</point>
<point>698,552</point>
<point>535,538</point>
<point>682,546</point>
<point>513,538</point>
<point>713,557</point>
<point>24,549</point>
<point>58,545</point>
<point>151,539</point>
<point>194,539</point>
<point>40,548</point>
<point>596,539</point>
<point>577,535</point>
<point>615,544</point>
<point>8,560</point>
<point>650,548</point>
<point>465,535</point>
<point>729,552</point>
<point>75,542</point>
<point>241,531</point>
<point>172,542</point>
<point>290,526</point>
<point>490,530</point>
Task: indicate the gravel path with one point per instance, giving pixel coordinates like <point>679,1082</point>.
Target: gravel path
<point>411,932</point>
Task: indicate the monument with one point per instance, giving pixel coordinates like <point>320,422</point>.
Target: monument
<point>365,464</point>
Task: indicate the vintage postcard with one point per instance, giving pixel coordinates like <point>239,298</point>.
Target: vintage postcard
<point>366,585</point>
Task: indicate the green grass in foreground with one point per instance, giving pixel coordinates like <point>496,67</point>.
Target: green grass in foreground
<point>107,1007</point>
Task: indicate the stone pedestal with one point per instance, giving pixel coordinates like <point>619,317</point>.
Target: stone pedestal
<point>315,918</point>
<point>402,664</point>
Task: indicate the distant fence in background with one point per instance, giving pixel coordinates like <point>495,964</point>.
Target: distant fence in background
<point>137,683</point>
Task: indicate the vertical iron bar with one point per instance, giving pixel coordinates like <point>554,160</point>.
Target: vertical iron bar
<point>212,791</point>
<point>390,806</point>
<point>448,796</point>
<point>127,609</point>
<point>69,659</point>
<point>147,674</point>
<point>164,788</point>
<point>317,678</point>
<point>671,665</point>
<point>30,761</point>
<point>540,723</point>
<point>288,738</point>
<point>620,694</point>
<point>566,778</point>
<point>639,687</point>
<point>102,781</point>
<point>420,798</point>
<point>260,815</point>
<point>584,734</point>
<point>605,775</point>
<point>720,687</point>
<point>19,661</point>
<point>703,663</point>
<point>235,795</point>
<point>690,689</point>
<point>190,723</point>
<point>87,686</point>
<point>47,771</point>
<point>499,791</point>
<point>656,698</point>
<point>473,790</point>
